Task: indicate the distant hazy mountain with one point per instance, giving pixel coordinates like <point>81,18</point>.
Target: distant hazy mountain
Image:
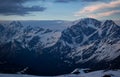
<point>58,47</point>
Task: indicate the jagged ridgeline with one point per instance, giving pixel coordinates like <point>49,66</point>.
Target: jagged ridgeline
<point>58,47</point>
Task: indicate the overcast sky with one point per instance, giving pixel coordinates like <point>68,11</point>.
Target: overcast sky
<point>59,9</point>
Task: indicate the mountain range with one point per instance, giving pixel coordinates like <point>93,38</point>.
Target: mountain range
<point>58,47</point>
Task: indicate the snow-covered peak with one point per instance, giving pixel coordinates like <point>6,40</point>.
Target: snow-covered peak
<point>87,22</point>
<point>109,22</point>
<point>15,24</point>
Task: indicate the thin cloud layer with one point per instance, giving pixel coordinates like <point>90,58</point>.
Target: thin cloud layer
<point>96,11</point>
<point>15,7</point>
<point>66,1</point>
<point>109,13</point>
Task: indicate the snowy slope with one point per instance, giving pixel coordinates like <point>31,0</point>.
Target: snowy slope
<point>100,73</point>
<point>17,75</point>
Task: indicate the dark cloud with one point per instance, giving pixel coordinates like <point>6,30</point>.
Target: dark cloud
<point>15,7</point>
